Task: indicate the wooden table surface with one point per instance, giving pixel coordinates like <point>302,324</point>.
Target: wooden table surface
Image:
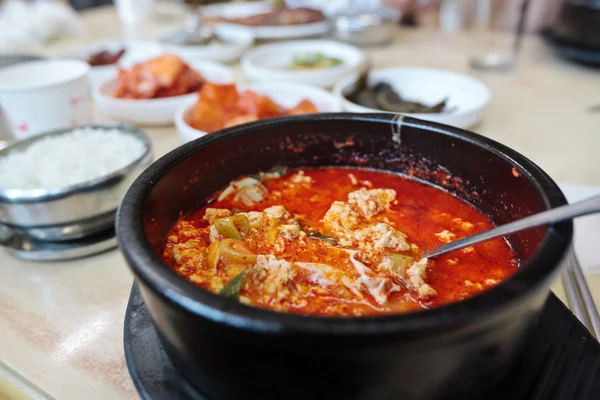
<point>61,324</point>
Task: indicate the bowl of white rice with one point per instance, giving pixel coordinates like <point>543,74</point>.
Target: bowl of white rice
<point>67,184</point>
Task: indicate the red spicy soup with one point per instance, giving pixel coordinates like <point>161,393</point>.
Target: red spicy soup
<point>335,242</point>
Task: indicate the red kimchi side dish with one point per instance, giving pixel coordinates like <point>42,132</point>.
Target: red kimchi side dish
<point>335,242</point>
<point>164,76</point>
<point>223,106</point>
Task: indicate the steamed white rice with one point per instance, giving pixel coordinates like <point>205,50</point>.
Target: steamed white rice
<point>57,161</point>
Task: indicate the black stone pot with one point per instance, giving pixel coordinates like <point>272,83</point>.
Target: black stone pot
<point>232,351</point>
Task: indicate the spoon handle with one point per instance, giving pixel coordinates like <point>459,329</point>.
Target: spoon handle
<point>569,211</point>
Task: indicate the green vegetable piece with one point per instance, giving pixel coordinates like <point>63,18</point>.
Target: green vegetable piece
<point>233,288</point>
<point>318,236</point>
<point>241,223</point>
<point>401,261</point>
<point>335,61</point>
<point>307,59</point>
<point>228,226</point>
<point>316,60</point>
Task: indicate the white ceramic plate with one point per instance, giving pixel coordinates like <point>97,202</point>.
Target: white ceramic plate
<point>285,94</point>
<point>134,53</point>
<point>270,62</point>
<point>236,10</point>
<point>237,40</point>
<point>467,96</point>
<point>153,111</point>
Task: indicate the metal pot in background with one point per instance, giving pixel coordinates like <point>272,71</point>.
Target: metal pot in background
<point>579,23</point>
<point>364,29</point>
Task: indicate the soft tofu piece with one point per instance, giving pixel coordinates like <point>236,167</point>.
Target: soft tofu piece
<point>371,202</point>
<point>213,213</point>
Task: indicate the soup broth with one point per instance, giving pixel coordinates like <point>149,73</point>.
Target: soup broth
<point>335,242</point>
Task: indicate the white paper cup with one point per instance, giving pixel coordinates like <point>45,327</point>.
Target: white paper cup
<point>44,95</point>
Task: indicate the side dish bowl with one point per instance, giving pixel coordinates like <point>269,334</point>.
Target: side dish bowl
<point>153,111</point>
<point>467,97</point>
<point>235,41</point>
<point>229,350</point>
<point>285,94</point>
<point>272,62</point>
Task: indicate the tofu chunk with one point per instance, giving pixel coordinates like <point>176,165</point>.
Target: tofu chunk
<point>340,219</point>
<point>371,202</point>
<point>289,231</point>
<point>445,236</point>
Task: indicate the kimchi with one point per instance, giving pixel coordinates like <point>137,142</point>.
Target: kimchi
<point>164,76</point>
<point>223,106</point>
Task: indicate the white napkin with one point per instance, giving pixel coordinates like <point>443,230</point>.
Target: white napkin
<point>29,25</point>
<point>587,229</point>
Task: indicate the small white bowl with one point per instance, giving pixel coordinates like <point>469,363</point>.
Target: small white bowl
<point>286,94</point>
<point>153,111</point>
<point>270,62</point>
<point>237,10</point>
<point>236,40</point>
<point>42,95</point>
<point>467,96</point>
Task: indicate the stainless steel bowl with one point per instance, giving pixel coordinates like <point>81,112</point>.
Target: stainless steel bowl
<point>368,29</point>
<point>75,211</point>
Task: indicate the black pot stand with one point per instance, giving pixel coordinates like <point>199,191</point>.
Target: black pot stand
<point>562,363</point>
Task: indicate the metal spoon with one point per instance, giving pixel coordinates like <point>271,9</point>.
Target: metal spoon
<point>570,211</point>
<point>194,32</point>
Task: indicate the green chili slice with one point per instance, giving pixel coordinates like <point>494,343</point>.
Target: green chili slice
<point>318,236</point>
<point>234,227</point>
<point>233,288</point>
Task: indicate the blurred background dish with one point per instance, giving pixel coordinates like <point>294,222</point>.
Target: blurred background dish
<point>359,22</point>
<point>576,31</point>
<point>42,95</point>
<point>226,44</point>
<point>266,21</point>
<point>131,53</point>
<point>466,97</point>
<point>312,62</point>
<point>101,71</point>
<point>579,23</point>
<point>153,111</point>
<point>364,29</point>
<point>285,95</point>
